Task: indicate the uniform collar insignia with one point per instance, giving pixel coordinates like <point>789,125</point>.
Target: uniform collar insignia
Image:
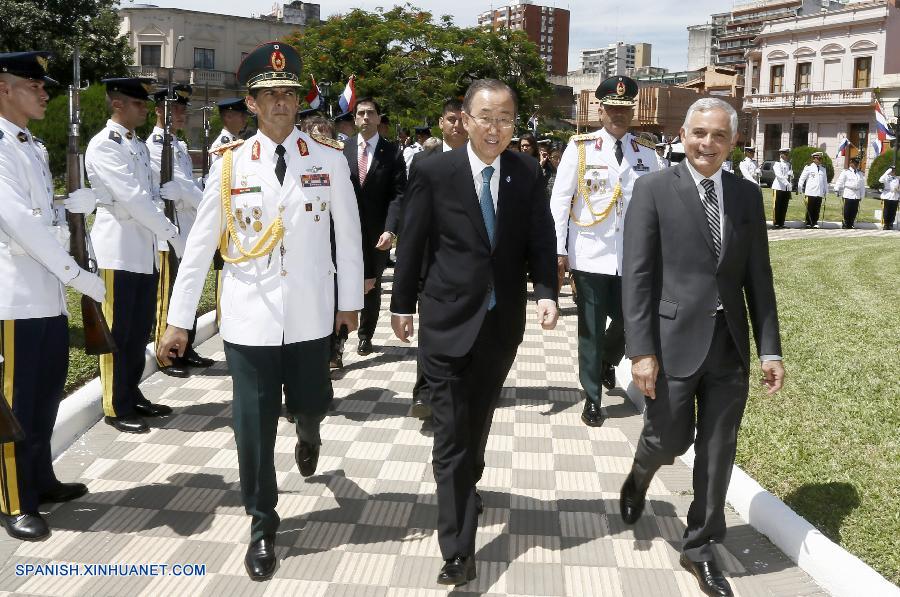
<point>22,136</point>
<point>254,152</point>
<point>634,145</point>
<point>301,145</point>
<point>598,144</point>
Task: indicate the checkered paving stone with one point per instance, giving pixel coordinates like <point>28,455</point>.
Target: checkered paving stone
<point>792,232</point>
<point>365,524</point>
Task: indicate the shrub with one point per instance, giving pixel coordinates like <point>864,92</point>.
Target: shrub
<point>878,167</point>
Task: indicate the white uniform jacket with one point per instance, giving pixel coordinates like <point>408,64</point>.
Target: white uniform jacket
<point>813,181</point>
<point>129,213</point>
<point>33,263</point>
<point>851,184</point>
<point>891,189</point>
<point>224,138</point>
<point>783,176</point>
<point>750,170</point>
<point>598,248</point>
<point>288,296</point>
<point>409,152</point>
<point>183,173</point>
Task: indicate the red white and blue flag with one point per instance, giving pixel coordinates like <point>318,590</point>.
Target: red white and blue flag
<point>314,97</point>
<point>347,101</point>
<point>842,148</point>
<point>882,130</point>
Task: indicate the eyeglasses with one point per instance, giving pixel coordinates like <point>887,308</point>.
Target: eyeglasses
<point>499,123</point>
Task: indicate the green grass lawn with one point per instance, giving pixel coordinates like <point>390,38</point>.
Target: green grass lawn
<point>829,443</point>
<point>833,208</point>
<point>82,367</point>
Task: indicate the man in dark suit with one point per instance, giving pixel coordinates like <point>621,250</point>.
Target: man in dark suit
<point>695,249</point>
<point>481,212</point>
<point>378,173</point>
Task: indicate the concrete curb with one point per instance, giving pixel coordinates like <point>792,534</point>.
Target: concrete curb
<point>834,568</point>
<point>79,411</point>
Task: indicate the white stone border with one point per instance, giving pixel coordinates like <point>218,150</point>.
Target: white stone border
<point>834,568</point>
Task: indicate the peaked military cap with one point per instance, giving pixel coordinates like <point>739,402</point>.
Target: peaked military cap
<point>309,113</point>
<point>236,104</point>
<point>617,91</point>
<point>423,130</point>
<point>136,87</point>
<point>272,64</point>
<point>749,148</point>
<point>346,116</point>
<point>784,150</point>
<point>29,65</point>
<point>817,154</point>
<point>180,92</point>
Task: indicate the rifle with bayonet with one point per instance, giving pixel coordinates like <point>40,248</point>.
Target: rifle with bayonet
<point>166,174</point>
<point>97,337</point>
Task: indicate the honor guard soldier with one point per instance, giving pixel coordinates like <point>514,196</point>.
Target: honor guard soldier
<point>851,188</point>
<point>35,267</point>
<point>590,195</point>
<point>184,191</point>
<point>128,232</point>
<point>268,207</point>
<point>344,127</point>
<point>782,185</point>
<point>233,112</point>
<point>890,195</point>
<point>749,169</point>
<point>814,184</point>
<point>661,160</point>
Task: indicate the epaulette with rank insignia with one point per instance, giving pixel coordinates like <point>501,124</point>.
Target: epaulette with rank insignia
<point>328,141</point>
<point>645,142</point>
<point>584,137</point>
<point>221,148</point>
<point>115,136</point>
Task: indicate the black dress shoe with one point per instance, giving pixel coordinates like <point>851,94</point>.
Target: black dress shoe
<point>133,424</point>
<point>63,492</point>
<point>632,500</point>
<point>307,457</point>
<point>711,580</point>
<point>365,347</point>
<point>479,504</point>
<point>178,368</point>
<point>607,375</point>
<point>195,360</point>
<point>148,409</point>
<point>336,362</point>
<point>420,407</point>
<point>457,571</point>
<point>260,560</point>
<point>26,527</point>
<point>591,415</point>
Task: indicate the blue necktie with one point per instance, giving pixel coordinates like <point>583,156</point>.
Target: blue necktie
<point>486,202</point>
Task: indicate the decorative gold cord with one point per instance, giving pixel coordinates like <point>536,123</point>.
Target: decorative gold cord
<point>266,243</point>
<point>584,192</point>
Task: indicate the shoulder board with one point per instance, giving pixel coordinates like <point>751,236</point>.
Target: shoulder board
<point>328,141</point>
<point>221,148</point>
<point>584,137</point>
<point>645,142</point>
<point>115,136</point>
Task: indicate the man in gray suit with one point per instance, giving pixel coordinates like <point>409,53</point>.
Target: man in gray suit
<point>695,248</point>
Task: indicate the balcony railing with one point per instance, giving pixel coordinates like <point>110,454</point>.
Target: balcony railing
<point>217,79</point>
<point>810,99</point>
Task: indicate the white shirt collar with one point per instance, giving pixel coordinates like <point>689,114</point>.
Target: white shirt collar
<point>117,127</point>
<point>478,166</point>
<point>716,177</point>
<point>13,130</point>
<point>371,142</point>
<point>269,144</point>
<point>608,139</point>
<point>446,147</point>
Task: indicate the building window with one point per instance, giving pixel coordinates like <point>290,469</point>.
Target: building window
<point>800,135</point>
<point>151,55</point>
<point>776,83</point>
<point>204,58</point>
<point>804,72</point>
<point>862,71</point>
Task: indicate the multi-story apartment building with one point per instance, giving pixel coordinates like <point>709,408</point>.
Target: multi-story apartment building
<point>615,59</point>
<point>814,79</point>
<point>546,26</point>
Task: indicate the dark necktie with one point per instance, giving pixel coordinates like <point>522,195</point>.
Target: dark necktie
<point>619,154</point>
<point>281,164</point>
<point>486,202</point>
<point>711,207</point>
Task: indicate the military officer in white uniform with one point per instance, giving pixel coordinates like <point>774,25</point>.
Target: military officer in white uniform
<point>128,232</point>
<point>782,185</point>
<point>851,188</point>
<point>589,199</point>
<point>186,193</point>
<point>890,195</point>
<point>34,268</point>
<point>748,166</point>
<point>814,184</point>
<point>271,220</point>
<point>233,112</point>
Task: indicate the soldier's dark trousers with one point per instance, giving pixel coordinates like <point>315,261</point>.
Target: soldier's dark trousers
<point>368,317</point>
<point>813,205</point>
<point>33,374</point>
<point>599,297</point>
<point>851,208</point>
<point>779,210</point>
<point>129,309</point>
<point>259,374</point>
<point>888,213</point>
<point>163,295</point>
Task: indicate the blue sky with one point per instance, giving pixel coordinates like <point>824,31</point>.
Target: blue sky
<point>595,23</point>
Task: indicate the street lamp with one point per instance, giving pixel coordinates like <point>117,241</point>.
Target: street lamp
<point>861,150</point>
<point>325,90</point>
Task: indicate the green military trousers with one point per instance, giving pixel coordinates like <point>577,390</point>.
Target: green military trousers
<point>598,297</point>
<point>259,374</point>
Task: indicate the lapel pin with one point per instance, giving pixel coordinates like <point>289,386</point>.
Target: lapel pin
<point>507,179</point>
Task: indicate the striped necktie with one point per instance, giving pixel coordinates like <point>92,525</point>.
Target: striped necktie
<point>711,207</point>
<point>363,161</point>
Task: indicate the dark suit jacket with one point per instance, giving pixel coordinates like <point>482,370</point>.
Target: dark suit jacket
<point>670,277</point>
<point>379,199</point>
<point>442,213</point>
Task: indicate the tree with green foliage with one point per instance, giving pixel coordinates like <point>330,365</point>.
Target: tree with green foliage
<point>59,26</point>
<point>802,157</point>
<point>878,167</point>
<point>736,157</point>
<point>412,63</point>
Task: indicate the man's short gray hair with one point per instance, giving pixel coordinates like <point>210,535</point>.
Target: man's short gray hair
<point>708,104</point>
<point>486,85</point>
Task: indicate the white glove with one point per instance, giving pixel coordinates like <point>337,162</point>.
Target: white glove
<point>89,284</point>
<point>171,191</point>
<point>178,244</point>
<point>81,201</point>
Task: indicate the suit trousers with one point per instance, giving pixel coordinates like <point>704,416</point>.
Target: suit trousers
<point>888,213</point>
<point>714,396</point>
<point>813,205</point>
<point>779,209</point>
<point>259,374</point>
<point>33,376</point>
<point>368,317</point>
<point>851,208</point>
<point>464,394</point>
<point>599,297</point>
<point>129,308</point>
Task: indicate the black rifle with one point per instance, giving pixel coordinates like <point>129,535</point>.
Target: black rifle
<point>166,174</point>
<point>97,337</point>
